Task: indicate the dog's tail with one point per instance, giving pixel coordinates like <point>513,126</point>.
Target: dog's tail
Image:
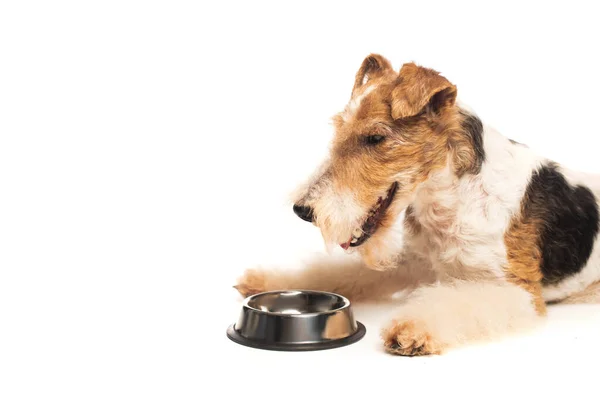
<point>590,295</point>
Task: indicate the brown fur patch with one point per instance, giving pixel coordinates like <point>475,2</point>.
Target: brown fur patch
<point>417,88</point>
<point>413,147</point>
<point>252,282</point>
<point>372,66</point>
<point>410,338</point>
<point>525,257</point>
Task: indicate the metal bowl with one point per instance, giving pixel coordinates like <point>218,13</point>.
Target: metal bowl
<point>296,320</point>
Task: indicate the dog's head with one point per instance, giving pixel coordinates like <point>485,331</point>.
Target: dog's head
<point>395,131</point>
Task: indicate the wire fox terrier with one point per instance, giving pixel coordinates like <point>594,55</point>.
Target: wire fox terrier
<point>478,229</point>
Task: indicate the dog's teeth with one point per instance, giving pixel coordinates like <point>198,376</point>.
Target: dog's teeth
<point>354,240</point>
<point>357,233</point>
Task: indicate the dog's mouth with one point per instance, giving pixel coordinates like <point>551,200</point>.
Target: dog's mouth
<point>374,218</point>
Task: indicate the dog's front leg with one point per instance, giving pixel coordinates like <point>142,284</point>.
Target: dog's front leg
<point>443,316</point>
<point>347,276</point>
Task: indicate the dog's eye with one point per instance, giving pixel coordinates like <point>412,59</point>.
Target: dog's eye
<point>374,139</point>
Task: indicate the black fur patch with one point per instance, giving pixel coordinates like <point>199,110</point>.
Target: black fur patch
<point>473,128</point>
<point>569,216</point>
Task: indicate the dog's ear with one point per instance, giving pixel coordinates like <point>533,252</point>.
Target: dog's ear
<point>418,88</point>
<point>372,66</point>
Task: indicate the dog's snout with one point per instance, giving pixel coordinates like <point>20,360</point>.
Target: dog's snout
<point>304,212</point>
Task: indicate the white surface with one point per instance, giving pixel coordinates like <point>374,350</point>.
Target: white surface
<point>146,152</point>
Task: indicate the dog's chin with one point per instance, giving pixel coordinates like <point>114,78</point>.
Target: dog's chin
<point>382,250</point>
<point>374,220</point>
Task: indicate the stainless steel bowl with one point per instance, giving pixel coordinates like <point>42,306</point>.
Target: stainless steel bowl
<point>295,320</point>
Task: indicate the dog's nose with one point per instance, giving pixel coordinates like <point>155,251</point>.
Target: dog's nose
<point>304,212</point>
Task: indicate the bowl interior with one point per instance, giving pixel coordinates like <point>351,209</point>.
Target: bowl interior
<point>296,302</point>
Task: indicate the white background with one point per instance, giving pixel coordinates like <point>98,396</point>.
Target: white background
<point>147,150</point>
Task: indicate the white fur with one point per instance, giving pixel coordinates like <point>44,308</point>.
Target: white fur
<point>338,213</point>
<point>392,244</point>
<point>355,102</point>
<point>455,313</point>
<point>465,219</point>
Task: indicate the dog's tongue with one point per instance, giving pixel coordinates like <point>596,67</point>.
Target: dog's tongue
<point>346,245</point>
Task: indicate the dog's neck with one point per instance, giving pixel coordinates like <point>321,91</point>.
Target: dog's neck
<point>503,176</point>
<point>436,199</point>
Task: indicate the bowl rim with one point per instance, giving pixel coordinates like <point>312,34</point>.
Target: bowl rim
<point>235,336</point>
<point>346,305</point>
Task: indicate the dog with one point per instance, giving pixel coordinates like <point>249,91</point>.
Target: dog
<point>479,230</point>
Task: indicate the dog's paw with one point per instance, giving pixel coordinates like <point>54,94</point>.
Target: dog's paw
<point>410,338</point>
<point>253,281</point>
